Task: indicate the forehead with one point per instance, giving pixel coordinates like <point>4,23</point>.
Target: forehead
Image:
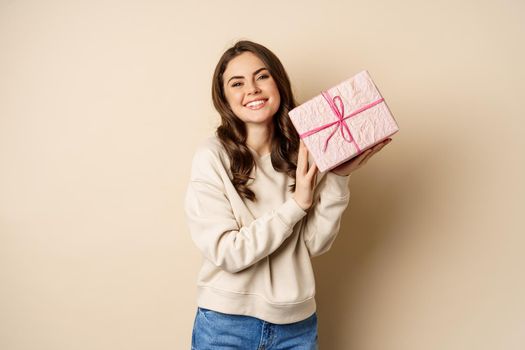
<point>244,64</point>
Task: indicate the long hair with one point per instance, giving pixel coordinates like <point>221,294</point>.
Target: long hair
<point>232,131</point>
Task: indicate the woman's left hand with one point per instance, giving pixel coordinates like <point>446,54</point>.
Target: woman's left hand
<point>355,163</point>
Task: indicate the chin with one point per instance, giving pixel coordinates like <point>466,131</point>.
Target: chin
<point>264,118</point>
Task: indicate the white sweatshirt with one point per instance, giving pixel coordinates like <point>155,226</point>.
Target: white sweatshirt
<point>257,255</point>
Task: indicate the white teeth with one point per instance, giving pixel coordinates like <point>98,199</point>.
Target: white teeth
<point>255,103</point>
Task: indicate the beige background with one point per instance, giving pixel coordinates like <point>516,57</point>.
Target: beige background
<point>103,102</point>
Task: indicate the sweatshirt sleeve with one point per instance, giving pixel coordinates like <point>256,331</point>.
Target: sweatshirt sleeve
<point>213,226</point>
<point>323,220</point>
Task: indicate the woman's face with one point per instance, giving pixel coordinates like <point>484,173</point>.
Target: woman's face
<point>250,90</point>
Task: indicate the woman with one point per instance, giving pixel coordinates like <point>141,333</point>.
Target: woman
<point>258,211</point>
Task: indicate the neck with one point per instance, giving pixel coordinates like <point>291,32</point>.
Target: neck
<point>260,137</point>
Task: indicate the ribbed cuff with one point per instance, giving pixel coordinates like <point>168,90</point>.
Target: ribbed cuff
<point>337,185</point>
<point>291,212</point>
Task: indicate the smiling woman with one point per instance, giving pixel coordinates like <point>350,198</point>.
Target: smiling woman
<point>246,73</point>
<point>258,219</point>
<point>250,87</point>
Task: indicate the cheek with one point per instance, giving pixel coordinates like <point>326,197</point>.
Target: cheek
<point>277,96</point>
<point>275,91</point>
<point>233,99</point>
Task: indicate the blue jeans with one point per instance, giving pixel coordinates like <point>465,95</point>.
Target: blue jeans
<point>215,330</point>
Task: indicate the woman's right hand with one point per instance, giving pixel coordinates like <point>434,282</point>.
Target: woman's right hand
<point>305,179</point>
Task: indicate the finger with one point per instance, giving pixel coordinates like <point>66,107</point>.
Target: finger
<point>301,159</point>
<point>382,144</point>
<point>363,158</point>
<point>370,155</point>
<point>377,148</point>
<point>313,170</point>
<point>363,155</point>
<point>366,159</point>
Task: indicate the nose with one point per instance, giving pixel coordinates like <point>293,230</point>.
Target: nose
<point>252,88</point>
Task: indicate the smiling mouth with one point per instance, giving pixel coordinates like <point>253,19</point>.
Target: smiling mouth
<point>256,104</point>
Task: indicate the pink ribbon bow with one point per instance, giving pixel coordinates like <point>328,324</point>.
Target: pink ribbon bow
<point>339,112</point>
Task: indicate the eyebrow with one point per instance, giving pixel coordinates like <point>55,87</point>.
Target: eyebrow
<point>241,77</point>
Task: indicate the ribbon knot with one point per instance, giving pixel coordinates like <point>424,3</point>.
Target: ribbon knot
<point>339,112</point>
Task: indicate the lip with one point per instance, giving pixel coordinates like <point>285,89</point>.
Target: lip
<point>259,106</point>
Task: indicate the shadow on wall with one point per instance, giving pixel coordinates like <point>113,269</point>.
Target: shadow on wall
<point>377,205</point>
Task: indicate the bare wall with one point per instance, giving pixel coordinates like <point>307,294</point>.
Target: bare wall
<point>103,102</point>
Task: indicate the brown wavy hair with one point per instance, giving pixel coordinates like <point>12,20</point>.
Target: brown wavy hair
<point>232,131</point>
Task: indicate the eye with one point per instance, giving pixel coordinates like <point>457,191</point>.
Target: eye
<point>236,84</point>
<point>264,76</point>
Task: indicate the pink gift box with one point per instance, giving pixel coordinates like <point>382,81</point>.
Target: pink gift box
<point>343,121</point>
